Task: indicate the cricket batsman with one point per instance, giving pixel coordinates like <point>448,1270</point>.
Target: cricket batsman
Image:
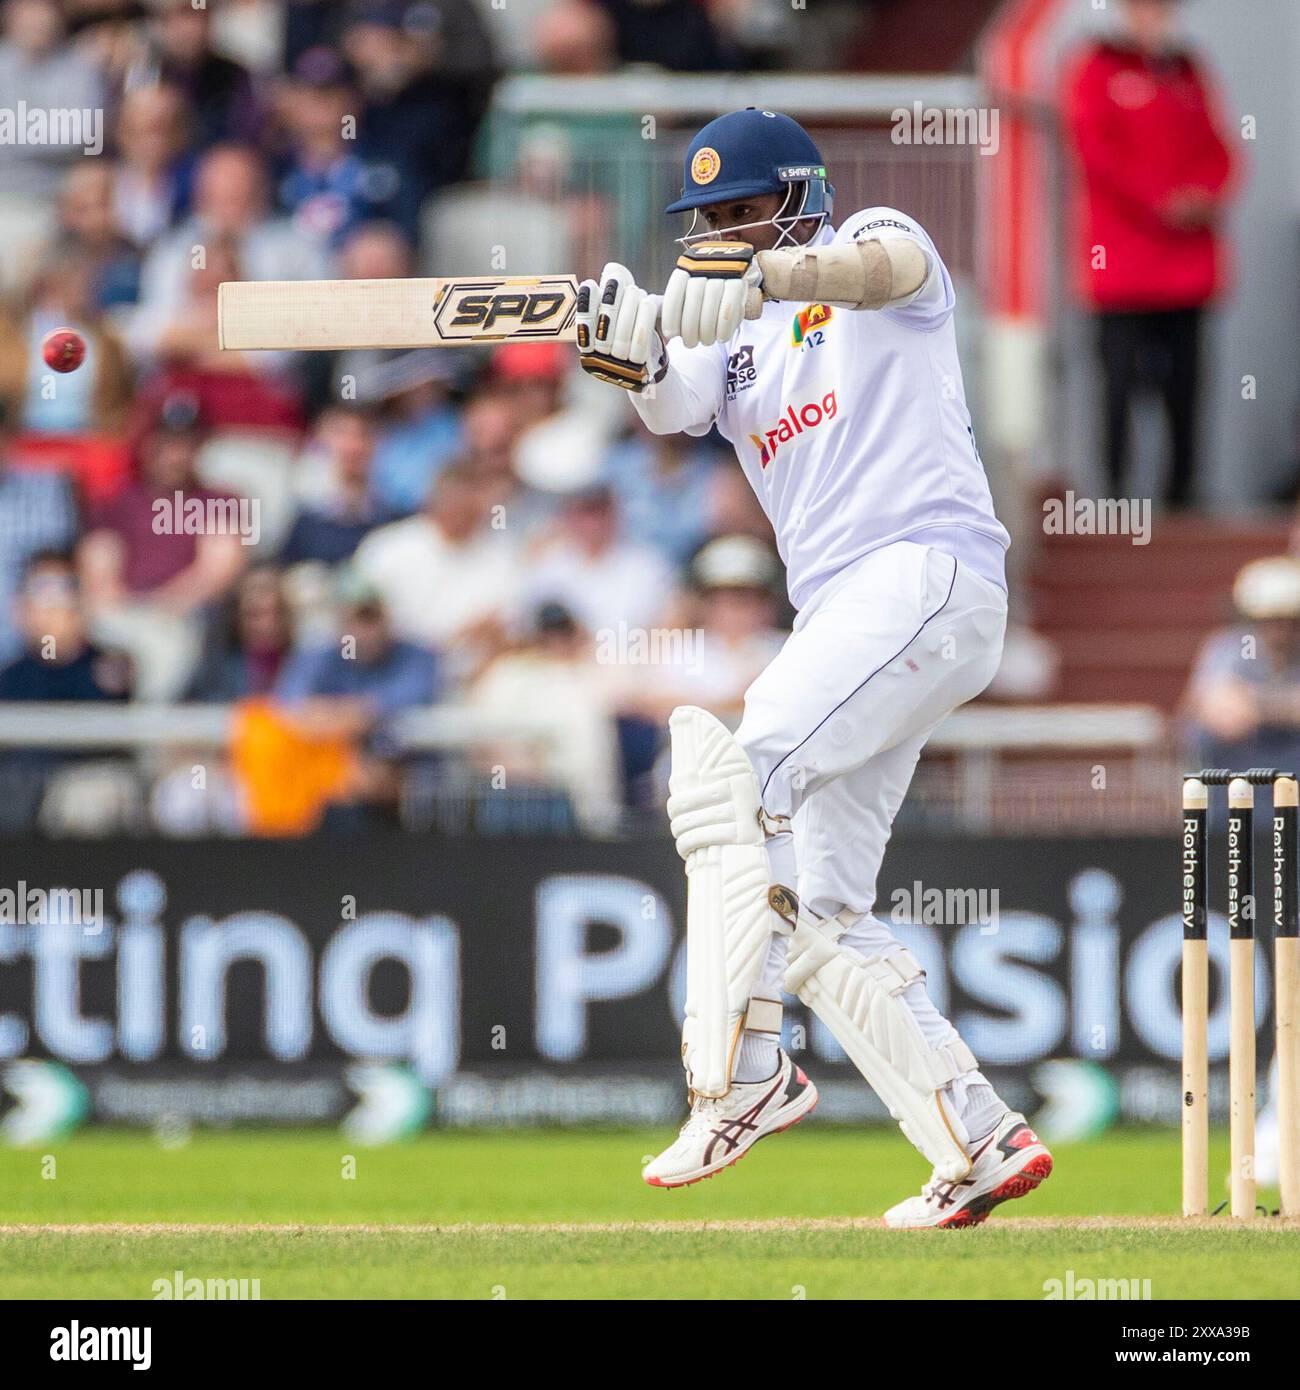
<point>827,357</point>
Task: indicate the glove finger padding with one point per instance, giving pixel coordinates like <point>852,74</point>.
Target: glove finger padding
<point>645,333</point>
<point>691,307</point>
<point>744,301</point>
<point>615,282</point>
<point>615,321</point>
<point>670,320</point>
<point>730,311</point>
<point>584,319</point>
<point>715,292</point>
<point>708,292</point>
<point>620,342</point>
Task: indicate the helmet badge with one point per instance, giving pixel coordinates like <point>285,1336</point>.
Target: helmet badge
<point>706,165</point>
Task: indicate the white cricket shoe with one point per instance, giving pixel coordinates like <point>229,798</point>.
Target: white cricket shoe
<point>719,1132</point>
<point>1009,1163</point>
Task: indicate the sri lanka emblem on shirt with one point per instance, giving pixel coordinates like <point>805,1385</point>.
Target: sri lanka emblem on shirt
<point>810,317</point>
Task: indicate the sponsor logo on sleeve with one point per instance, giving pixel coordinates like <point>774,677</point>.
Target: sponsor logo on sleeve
<point>882,222</point>
<point>797,420</point>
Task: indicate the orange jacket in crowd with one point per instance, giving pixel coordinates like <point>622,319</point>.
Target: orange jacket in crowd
<point>287,777</point>
<point>1144,130</point>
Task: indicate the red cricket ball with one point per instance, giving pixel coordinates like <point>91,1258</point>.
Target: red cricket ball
<point>64,349</point>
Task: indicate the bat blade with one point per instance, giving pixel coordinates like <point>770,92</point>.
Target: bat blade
<point>447,311</point>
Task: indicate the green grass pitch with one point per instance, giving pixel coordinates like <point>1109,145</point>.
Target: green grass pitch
<point>562,1214</point>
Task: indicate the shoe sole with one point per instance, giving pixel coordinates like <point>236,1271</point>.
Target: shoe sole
<point>736,1157</point>
<point>1021,1184</point>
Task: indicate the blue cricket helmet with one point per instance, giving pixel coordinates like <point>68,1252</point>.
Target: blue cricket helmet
<point>745,153</point>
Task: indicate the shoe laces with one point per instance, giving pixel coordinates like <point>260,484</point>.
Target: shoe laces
<point>937,1187</point>
<point>704,1110</point>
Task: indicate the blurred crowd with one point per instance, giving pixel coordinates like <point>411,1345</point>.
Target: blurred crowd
<point>331,540</point>
<point>327,543</point>
<point>1241,708</point>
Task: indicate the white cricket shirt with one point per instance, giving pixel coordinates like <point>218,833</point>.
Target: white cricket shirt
<point>851,425</point>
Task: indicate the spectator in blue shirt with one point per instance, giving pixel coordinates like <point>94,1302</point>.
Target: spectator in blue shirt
<point>325,186</point>
<point>422,430</point>
<point>425,76</point>
<point>351,689</point>
<point>37,513</point>
<point>327,532</point>
<point>57,662</point>
<point>1242,704</point>
<point>88,230</point>
<point>665,487</point>
<point>352,686</point>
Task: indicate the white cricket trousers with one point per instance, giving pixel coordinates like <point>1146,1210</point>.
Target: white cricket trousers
<point>835,725</point>
<point>834,728</point>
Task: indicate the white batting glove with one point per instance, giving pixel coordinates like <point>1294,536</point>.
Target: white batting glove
<point>715,287</point>
<point>618,340</point>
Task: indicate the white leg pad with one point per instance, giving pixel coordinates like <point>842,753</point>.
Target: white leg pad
<point>859,1000</point>
<point>713,804</point>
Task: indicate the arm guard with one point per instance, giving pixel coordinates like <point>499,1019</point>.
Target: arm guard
<point>854,275</point>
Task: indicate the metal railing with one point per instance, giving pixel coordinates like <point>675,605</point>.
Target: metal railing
<point>987,768</point>
<point>978,728</point>
<point>143,726</point>
<point>682,95</point>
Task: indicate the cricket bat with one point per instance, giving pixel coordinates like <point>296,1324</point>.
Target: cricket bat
<point>319,315</point>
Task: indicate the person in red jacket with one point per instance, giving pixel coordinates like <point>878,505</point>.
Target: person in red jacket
<point>1156,179</point>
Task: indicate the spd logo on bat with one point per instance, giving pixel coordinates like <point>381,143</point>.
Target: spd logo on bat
<point>480,311</point>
